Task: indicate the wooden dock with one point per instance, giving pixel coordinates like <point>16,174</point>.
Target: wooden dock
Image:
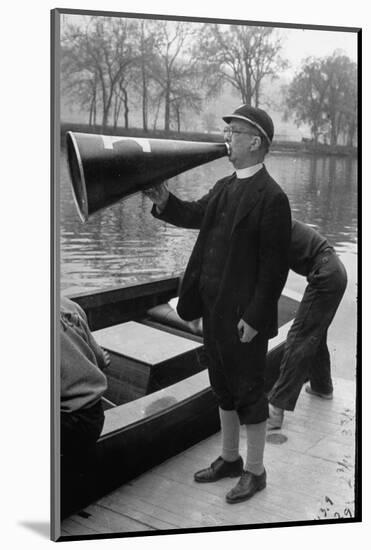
<point>310,467</point>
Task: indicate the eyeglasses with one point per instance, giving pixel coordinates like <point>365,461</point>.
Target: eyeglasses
<point>228,131</point>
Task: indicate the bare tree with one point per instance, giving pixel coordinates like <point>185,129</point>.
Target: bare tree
<point>103,50</point>
<point>174,69</point>
<point>184,100</point>
<point>83,88</point>
<point>143,66</point>
<point>244,56</point>
<point>146,44</point>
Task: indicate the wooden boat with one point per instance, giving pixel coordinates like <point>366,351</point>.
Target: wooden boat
<point>158,401</point>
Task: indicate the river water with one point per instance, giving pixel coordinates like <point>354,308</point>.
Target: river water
<point>125,244</point>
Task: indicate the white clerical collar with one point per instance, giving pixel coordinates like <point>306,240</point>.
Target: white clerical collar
<point>243,173</point>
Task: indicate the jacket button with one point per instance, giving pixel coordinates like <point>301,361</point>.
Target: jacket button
<point>325,260</point>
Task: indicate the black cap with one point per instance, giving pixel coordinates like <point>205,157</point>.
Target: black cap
<point>257,117</point>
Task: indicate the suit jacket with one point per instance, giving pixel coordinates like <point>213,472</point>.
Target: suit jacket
<point>256,266</point>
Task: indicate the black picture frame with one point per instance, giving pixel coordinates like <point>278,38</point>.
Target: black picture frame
<point>56,137</point>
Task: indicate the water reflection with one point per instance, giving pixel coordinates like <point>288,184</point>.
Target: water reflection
<point>322,193</point>
<point>125,244</point>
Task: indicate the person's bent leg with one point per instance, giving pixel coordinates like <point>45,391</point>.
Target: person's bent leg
<point>306,350</point>
<point>320,371</point>
<point>294,367</point>
<point>331,280</point>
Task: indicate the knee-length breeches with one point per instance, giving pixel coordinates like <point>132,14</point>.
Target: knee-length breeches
<point>236,372</point>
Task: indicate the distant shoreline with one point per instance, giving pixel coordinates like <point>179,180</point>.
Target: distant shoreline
<point>306,147</point>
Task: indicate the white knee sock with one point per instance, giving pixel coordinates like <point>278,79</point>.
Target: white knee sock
<point>230,425</point>
<point>255,447</point>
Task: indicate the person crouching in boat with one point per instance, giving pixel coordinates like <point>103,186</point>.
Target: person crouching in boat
<point>82,383</point>
<point>233,280</point>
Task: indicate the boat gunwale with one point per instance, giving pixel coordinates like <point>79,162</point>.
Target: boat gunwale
<point>97,298</point>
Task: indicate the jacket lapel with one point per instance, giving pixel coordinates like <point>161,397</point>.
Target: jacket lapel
<point>210,211</point>
<point>250,196</point>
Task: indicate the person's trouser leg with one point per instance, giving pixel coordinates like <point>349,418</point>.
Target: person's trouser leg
<point>81,429</point>
<point>320,369</point>
<point>79,433</point>
<point>295,361</point>
<point>306,350</point>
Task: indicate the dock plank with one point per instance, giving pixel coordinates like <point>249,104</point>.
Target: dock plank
<point>141,509</point>
<point>279,473</point>
<point>196,506</point>
<point>76,526</point>
<point>104,520</point>
<point>310,476</point>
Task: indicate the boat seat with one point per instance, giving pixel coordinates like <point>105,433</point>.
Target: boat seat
<point>166,314</point>
<point>145,359</point>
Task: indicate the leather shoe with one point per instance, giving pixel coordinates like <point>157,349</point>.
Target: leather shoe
<point>218,469</point>
<point>309,390</point>
<point>275,419</point>
<point>248,485</point>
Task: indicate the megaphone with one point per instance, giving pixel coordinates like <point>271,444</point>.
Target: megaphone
<point>106,169</point>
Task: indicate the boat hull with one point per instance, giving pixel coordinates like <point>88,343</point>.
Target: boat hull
<point>140,434</point>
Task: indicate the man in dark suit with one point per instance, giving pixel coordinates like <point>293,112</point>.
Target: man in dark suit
<point>233,280</point>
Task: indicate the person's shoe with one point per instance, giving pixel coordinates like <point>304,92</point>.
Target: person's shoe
<point>248,485</point>
<point>308,389</point>
<point>218,469</point>
<point>275,419</point>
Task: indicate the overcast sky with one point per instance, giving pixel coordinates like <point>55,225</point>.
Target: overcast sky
<point>299,44</point>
